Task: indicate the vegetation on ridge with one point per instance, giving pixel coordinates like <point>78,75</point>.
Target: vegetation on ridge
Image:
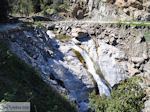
<point>27,7</point>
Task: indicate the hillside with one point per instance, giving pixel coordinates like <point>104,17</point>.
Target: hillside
<point>19,82</point>
<point>76,55</point>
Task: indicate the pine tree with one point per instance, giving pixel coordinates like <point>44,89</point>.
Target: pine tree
<point>36,5</point>
<point>4,10</point>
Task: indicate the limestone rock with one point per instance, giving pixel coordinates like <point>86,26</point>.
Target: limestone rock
<point>107,61</point>
<point>140,39</point>
<point>147,17</point>
<point>147,106</point>
<point>50,34</point>
<point>75,31</point>
<point>83,107</point>
<point>147,67</point>
<point>79,33</point>
<point>76,41</point>
<point>132,71</point>
<point>137,59</point>
<point>145,56</point>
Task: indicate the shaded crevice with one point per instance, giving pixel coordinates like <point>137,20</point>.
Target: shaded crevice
<point>61,83</point>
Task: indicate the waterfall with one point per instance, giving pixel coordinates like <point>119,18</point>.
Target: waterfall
<point>102,86</point>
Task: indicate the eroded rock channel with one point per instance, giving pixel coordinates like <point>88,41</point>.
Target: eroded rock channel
<point>77,58</point>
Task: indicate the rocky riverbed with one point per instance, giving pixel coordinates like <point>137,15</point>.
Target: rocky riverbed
<point>118,52</point>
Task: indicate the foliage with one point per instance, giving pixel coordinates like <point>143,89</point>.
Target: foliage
<point>55,8</point>
<point>4,9</point>
<point>133,23</point>
<point>45,3</point>
<point>20,83</point>
<point>79,56</point>
<point>48,10</point>
<point>125,97</point>
<point>39,24</point>
<point>24,7</point>
<point>51,10</point>
<point>61,7</point>
<point>36,5</point>
<point>63,37</point>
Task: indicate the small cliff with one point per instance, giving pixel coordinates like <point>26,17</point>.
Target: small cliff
<point>118,52</point>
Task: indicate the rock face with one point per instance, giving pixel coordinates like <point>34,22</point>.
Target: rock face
<point>119,52</point>
<point>113,70</point>
<point>117,9</point>
<point>139,9</point>
<point>58,65</point>
<point>112,51</point>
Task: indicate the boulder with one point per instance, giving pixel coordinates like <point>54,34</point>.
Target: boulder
<point>147,17</point>
<point>140,38</point>
<point>145,56</point>
<point>76,41</point>
<point>132,71</point>
<point>50,34</point>
<point>84,107</point>
<point>50,26</point>
<point>139,60</point>
<point>79,32</point>
<point>112,70</point>
<point>147,67</point>
<point>147,106</point>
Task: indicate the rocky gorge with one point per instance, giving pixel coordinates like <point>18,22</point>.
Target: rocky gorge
<point>76,59</point>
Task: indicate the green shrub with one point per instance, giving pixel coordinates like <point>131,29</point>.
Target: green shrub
<point>51,11</point>
<point>79,56</point>
<point>63,7</point>
<point>125,97</point>
<point>63,37</point>
<point>23,7</point>
<point>39,24</point>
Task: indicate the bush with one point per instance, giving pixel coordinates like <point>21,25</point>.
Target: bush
<point>125,97</point>
<point>24,7</point>
<point>63,37</point>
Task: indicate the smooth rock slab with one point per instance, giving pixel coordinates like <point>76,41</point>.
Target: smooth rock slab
<point>112,70</point>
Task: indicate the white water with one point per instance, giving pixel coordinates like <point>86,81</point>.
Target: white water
<point>103,89</point>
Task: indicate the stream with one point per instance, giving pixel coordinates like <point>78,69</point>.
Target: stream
<point>101,83</point>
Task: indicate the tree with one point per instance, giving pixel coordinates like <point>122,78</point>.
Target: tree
<point>36,5</point>
<point>4,10</point>
<point>24,7</point>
